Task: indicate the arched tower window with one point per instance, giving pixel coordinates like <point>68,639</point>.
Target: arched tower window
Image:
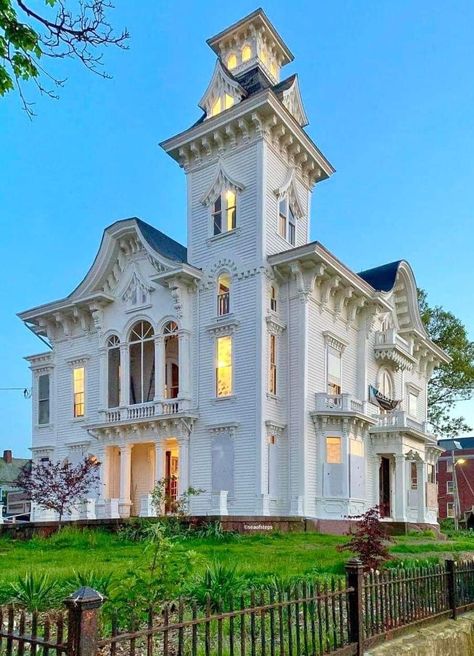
<point>385,384</point>
<point>113,371</point>
<point>246,53</point>
<point>223,294</point>
<point>170,332</point>
<point>142,363</point>
<point>231,61</point>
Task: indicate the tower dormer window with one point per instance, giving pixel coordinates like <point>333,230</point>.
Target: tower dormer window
<point>232,62</point>
<point>223,102</point>
<point>224,212</point>
<point>223,294</point>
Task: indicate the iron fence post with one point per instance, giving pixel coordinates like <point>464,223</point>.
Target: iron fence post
<point>355,580</point>
<point>451,572</point>
<point>83,627</point>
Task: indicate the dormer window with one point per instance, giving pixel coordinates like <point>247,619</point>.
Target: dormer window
<point>224,212</point>
<point>232,62</point>
<point>222,103</point>
<point>286,221</point>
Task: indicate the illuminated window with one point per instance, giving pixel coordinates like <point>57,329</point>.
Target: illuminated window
<point>228,101</point>
<point>333,365</point>
<point>272,374</point>
<point>450,509</point>
<point>223,294</point>
<point>412,404</point>
<point>216,107</point>
<point>224,366</point>
<point>264,57</point>
<point>142,363</point>
<point>286,221</point>
<point>273,69</point>
<point>273,299</point>
<point>113,363</point>
<point>78,391</point>
<point>232,62</point>
<point>43,399</point>
<point>224,213</point>
<point>357,448</point>
<point>170,332</point>
<point>333,450</point>
<point>246,53</point>
<point>413,476</point>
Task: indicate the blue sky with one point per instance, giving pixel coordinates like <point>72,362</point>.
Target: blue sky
<point>388,87</point>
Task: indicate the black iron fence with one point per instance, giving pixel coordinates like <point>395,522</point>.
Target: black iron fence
<point>338,618</point>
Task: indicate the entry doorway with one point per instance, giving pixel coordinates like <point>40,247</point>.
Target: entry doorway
<point>171,478</point>
<point>385,487</point>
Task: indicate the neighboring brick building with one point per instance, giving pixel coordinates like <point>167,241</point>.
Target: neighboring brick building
<point>461,453</point>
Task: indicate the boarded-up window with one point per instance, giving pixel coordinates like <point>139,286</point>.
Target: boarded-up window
<point>223,464</point>
<point>333,450</point>
<point>357,469</point>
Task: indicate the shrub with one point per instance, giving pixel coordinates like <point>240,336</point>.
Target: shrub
<point>34,592</point>
<point>95,580</point>
<point>369,540</point>
<point>216,586</point>
<point>214,531</point>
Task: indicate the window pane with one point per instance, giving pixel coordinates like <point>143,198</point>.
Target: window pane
<point>333,450</point>
<point>223,294</point>
<point>230,203</point>
<point>232,62</point>
<point>357,448</point>
<point>217,107</point>
<point>414,475</point>
<point>292,234</point>
<point>246,53</point>
<point>114,377</point>
<point>333,370</point>
<point>135,355</point>
<point>43,412</point>
<point>78,391</point>
<point>224,366</point>
<point>228,101</point>
<point>272,366</point>
<point>412,404</point>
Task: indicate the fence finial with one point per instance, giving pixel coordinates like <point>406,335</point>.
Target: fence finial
<point>83,636</point>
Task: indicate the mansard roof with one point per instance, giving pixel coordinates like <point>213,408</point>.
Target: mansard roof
<point>161,243</point>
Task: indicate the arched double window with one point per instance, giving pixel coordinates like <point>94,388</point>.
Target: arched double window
<point>142,362</point>
<point>224,212</point>
<point>113,371</point>
<point>170,332</point>
<point>223,294</point>
<point>385,384</point>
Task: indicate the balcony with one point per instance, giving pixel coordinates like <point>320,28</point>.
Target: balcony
<point>390,346</point>
<point>399,421</point>
<point>144,411</point>
<point>342,405</point>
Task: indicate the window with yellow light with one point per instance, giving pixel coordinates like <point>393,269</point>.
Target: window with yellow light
<point>78,391</point>
<point>333,450</point>
<point>224,366</point>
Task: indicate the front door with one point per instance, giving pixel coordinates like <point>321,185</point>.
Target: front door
<point>385,492</point>
<point>171,475</point>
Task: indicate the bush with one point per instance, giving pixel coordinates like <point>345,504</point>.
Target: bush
<point>216,586</point>
<point>34,592</point>
<point>95,580</point>
<point>369,540</point>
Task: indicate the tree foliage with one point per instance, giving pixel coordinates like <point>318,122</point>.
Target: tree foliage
<point>451,382</point>
<point>369,540</point>
<point>59,486</point>
<point>31,38</point>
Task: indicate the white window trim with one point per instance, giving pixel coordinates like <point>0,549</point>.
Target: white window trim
<point>415,391</point>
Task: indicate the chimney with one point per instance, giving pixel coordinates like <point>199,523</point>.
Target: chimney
<point>7,456</point>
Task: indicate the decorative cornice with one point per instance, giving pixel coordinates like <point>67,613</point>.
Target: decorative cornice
<point>226,428</point>
<point>221,181</point>
<point>77,362</point>
<point>274,325</point>
<point>275,428</point>
<point>335,341</point>
<point>223,326</point>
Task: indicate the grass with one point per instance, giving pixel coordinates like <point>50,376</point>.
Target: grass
<point>285,555</point>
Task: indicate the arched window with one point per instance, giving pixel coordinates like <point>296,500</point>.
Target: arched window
<point>223,294</point>
<point>170,332</point>
<point>222,102</point>
<point>142,363</point>
<point>231,61</point>
<point>246,53</point>
<point>113,371</point>
<point>224,212</point>
<point>385,384</point>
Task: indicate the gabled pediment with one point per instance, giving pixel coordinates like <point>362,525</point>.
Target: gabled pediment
<point>290,96</point>
<point>136,292</point>
<point>222,181</point>
<point>222,84</point>
<point>289,189</point>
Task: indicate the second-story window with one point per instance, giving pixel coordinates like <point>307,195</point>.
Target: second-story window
<point>78,386</point>
<point>224,213</point>
<point>334,370</point>
<point>333,450</point>
<point>412,403</point>
<point>224,366</point>
<point>113,371</point>
<point>43,399</point>
<point>223,294</point>
<point>273,298</point>
<point>413,476</point>
<point>286,221</point>
<point>142,363</point>
<point>272,372</point>
<point>170,332</point>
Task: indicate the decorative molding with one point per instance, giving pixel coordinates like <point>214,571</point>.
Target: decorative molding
<point>225,326</point>
<point>227,428</point>
<point>78,361</point>
<point>222,181</point>
<point>137,292</point>
<point>335,341</point>
<point>288,189</point>
<point>275,428</point>
<point>292,100</point>
<point>220,84</point>
<point>274,325</point>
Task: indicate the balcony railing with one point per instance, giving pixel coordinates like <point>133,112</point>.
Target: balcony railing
<point>392,338</point>
<point>143,411</point>
<point>399,419</point>
<point>339,403</point>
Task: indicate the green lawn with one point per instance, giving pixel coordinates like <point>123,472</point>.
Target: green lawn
<point>286,555</point>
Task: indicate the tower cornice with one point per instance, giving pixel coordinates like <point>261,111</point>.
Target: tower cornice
<point>260,116</point>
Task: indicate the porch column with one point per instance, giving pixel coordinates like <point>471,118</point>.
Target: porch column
<point>184,364</point>
<point>400,489</point>
<point>183,474</point>
<point>421,482</point>
<point>125,502</point>
<point>159,367</point>
<point>124,376</point>
<point>103,379</point>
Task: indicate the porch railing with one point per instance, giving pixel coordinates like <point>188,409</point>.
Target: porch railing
<point>400,419</point>
<point>144,410</point>
<point>339,403</point>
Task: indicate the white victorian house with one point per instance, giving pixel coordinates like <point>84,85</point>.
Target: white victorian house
<point>252,364</point>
